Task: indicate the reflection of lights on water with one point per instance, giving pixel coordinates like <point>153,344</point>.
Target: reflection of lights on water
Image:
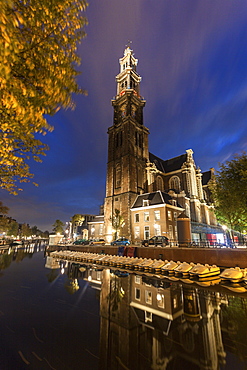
<point>9,250</point>
<point>89,278</point>
<point>122,291</point>
<point>62,270</point>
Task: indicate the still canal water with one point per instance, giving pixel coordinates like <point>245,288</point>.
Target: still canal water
<point>60,315</point>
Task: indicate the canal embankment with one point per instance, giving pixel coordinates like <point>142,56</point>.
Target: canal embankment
<point>223,257</point>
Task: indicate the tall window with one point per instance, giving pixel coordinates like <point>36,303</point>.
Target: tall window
<point>160,300</point>
<point>146,232</point>
<point>157,229</point>
<point>148,296</point>
<point>137,232</point>
<point>118,175</point>
<point>146,216</point>
<point>137,217</point>
<point>159,183</point>
<point>100,229</point>
<point>169,215</point>
<point>137,279</point>
<point>157,215</point>
<point>170,232</point>
<point>119,138</point>
<point>174,183</point>
<point>139,177</point>
<point>137,294</point>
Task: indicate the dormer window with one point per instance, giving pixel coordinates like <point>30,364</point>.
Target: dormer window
<point>145,203</point>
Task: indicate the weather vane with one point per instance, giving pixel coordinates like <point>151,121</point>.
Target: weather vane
<point>128,44</point>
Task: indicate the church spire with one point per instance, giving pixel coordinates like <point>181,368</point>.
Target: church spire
<point>128,78</point>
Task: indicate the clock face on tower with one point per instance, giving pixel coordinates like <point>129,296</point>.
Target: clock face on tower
<point>123,111</point>
<point>133,110</point>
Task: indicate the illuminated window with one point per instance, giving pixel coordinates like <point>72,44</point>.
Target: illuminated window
<point>160,300</point>
<point>157,229</point>
<point>175,301</point>
<point>137,279</point>
<point>169,215</point>
<point>100,229</point>
<point>170,232</point>
<point>157,215</point>
<point>148,296</point>
<point>137,232</point>
<point>146,216</point>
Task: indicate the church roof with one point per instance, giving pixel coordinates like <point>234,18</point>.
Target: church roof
<point>157,197</point>
<point>206,176</point>
<point>169,165</point>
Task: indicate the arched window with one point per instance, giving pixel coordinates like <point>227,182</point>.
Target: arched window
<point>159,183</point>
<point>118,175</point>
<point>139,177</point>
<point>174,183</point>
<point>187,210</point>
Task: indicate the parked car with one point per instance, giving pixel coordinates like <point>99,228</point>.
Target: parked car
<point>81,242</point>
<point>156,240</point>
<point>97,241</point>
<point>121,241</point>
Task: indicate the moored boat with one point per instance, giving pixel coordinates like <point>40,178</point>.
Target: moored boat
<point>214,280</point>
<point>156,266</point>
<point>169,267</point>
<point>131,262</point>
<point>144,265</point>
<point>234,275</point>
<point>183,269</point>
<point>204,271</point>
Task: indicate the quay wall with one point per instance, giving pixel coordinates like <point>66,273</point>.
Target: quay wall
<point>221,257</point>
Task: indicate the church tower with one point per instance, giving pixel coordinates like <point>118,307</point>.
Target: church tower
<point>127,147</point>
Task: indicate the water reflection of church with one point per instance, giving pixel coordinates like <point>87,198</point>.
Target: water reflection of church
<point>152,323</point>
<point>149,324</point>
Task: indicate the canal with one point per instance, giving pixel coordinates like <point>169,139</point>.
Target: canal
<point>56,314</point>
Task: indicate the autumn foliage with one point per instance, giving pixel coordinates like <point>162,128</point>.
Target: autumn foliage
<point>38,43</point>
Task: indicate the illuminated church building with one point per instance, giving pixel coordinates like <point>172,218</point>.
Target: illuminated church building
<point>150,193</point>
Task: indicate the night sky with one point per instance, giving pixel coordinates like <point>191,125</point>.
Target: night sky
<point>193,62</point>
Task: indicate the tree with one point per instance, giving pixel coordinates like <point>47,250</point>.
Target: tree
<point>3,209</point>
<point>58,227</point>
<point>38,43</point>
<point>77,220</point>
<point>3,219</point>
<point>229,190</point>
<point>13,228</point>
<point>35,230</point>
<point>117,222</point>
<point>25,230</point>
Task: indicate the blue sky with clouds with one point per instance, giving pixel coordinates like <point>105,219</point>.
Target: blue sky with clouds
<point>193,62</point>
